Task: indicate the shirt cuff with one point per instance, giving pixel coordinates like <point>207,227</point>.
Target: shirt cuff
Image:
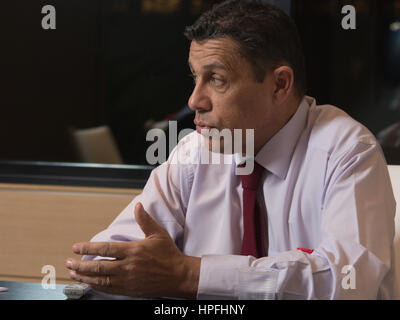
<point>219,276</point>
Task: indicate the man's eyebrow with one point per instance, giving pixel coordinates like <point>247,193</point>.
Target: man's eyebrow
<point>210,66</point>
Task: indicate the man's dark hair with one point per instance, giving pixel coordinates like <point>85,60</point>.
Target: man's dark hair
<point>266,36</point>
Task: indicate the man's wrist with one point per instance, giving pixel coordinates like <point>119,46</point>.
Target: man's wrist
<point>190,274</point>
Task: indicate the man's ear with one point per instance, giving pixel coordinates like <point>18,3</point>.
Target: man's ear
<point>283,78</point>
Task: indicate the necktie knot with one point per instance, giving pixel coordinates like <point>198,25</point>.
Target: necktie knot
<point>252,180</point>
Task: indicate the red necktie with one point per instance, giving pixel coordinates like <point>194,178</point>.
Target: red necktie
<point>253,235</point>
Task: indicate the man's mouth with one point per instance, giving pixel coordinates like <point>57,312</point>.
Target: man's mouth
<point>202,126</point>
<point>199,128</point>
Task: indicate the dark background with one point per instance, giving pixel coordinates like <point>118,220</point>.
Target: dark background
<point>122,62</point>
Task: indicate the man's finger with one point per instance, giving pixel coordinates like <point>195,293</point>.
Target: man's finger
<point>146,223</point>
<point>97,267</point>
<point>101,281</point>
<point>103,249</point>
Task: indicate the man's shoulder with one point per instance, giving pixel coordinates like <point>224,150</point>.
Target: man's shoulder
<point>334,131</point>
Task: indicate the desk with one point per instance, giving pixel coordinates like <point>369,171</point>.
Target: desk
<point>30,291</point>
<point>34,291</point>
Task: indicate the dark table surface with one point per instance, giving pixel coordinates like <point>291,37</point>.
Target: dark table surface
<point>30,291</point>
<point>35,291</point>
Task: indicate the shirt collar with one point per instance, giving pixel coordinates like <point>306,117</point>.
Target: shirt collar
<point>276,154</point>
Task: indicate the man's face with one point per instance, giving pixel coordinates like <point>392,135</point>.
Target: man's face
<point>226,94</point>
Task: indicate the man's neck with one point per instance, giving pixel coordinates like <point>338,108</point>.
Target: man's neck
<point>290,108</point>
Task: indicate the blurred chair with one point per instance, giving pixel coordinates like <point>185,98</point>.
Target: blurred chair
<point>96,145</point>
<point>390,136</point>
<point>394,172</point>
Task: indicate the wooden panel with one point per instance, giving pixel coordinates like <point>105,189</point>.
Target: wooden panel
<point>39,224</point>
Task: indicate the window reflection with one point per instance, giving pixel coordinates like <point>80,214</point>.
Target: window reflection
<point>160,6</point>
<point>122,64</point>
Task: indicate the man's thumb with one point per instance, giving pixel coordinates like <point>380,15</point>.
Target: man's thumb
<point>146,223</point>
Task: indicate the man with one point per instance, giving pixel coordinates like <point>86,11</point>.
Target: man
<point>323,183</point>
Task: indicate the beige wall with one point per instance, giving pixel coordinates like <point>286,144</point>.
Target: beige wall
<point>39,224</point>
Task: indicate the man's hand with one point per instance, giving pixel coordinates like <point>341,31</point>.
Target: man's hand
<point>153,267</point>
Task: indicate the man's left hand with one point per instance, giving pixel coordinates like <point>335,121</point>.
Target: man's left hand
<point>153,267</point>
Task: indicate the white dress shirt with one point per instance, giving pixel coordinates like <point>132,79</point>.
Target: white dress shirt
<point>326,187</point>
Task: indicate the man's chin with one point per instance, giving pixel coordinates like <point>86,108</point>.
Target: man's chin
<point>223,146</point>
<point>220,141</point>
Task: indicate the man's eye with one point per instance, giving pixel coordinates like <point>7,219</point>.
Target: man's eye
<point>217,81</point>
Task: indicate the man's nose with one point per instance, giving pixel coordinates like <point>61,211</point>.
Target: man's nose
<point>199,100</point>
